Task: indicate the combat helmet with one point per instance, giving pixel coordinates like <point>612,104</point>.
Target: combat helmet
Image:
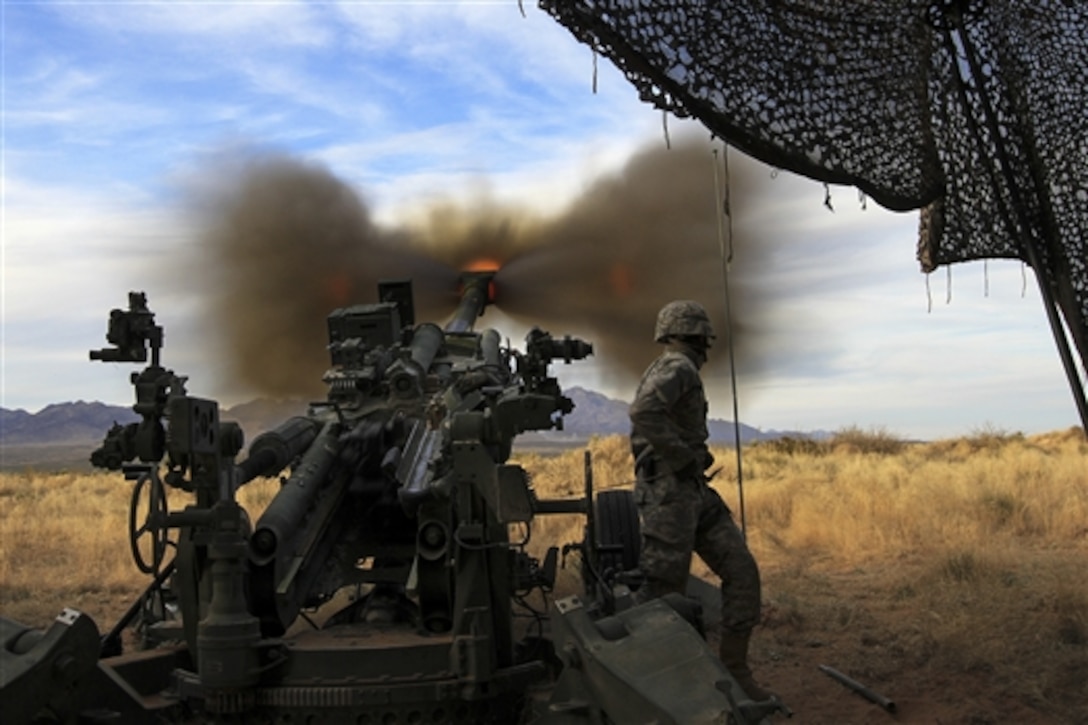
<point>682,317</point>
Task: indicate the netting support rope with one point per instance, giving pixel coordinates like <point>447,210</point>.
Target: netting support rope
<point>721,192</point>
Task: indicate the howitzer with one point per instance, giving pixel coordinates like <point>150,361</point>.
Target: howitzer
<point>381,582</point>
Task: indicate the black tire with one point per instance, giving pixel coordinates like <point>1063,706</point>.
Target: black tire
<point>619,535</point>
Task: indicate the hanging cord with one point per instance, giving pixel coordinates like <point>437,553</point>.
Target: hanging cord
<point>725,236</point>
<point>594,71</point>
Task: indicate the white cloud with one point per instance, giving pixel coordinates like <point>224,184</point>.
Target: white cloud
<point>284,23</point>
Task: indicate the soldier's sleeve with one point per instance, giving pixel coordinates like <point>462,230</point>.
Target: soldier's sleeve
<point>651,417</point>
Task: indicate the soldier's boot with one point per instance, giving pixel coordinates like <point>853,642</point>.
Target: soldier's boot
<point>733,651</point>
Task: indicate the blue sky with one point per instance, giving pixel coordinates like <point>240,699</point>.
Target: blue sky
<point>112,109</point>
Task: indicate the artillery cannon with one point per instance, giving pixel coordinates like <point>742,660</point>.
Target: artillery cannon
<point>397,489</point>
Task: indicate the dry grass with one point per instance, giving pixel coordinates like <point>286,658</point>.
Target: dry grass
<point>958,556</point>
<point>64,543</point>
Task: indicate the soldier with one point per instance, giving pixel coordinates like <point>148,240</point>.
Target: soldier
<point>680,513</point>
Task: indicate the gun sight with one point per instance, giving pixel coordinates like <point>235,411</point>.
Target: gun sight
<point>132,332</point>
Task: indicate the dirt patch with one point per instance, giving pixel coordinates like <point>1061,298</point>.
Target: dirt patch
<point>847,622</point>
<point>921,695</point>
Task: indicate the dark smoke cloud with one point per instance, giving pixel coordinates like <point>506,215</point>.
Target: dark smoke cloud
<point>628,245</point>
<point>290,242</point>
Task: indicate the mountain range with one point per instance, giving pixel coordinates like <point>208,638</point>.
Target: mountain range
<point>80,426</point>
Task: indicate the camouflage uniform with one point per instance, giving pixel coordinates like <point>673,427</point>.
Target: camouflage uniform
<point>680,513</point>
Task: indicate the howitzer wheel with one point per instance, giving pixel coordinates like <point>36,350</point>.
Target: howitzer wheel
<point>154,523</point>
<point>619,535</point>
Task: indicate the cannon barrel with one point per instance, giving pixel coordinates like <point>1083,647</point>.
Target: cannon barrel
<point>405,376</point>
<point>475,295</point>
<point>272,450</point>
<point>426,342</point>
<point>286,511</point>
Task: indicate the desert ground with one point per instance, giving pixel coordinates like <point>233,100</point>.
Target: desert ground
<point>950,577</point>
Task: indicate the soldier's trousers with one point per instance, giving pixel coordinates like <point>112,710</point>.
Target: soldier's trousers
<point>681,516</point>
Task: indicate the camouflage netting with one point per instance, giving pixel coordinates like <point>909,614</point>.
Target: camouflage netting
<point>974,111</point>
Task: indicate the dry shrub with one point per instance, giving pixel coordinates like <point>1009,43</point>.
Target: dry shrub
<point>877,440</point>
<point>789,446</point>
<point>985,440</point>
<point>1071,440</point>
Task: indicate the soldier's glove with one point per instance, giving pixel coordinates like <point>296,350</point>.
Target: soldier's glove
<point>708,460</point>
